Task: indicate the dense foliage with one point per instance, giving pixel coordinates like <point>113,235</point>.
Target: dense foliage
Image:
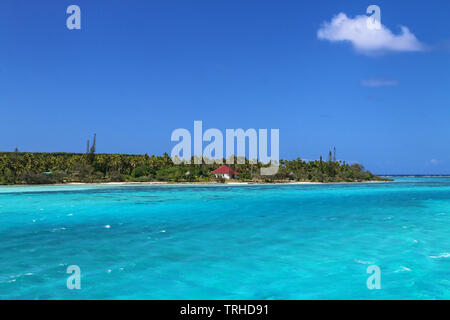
<point>48,168</point>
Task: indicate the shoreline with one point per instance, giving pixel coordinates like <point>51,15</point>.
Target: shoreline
<point>163,183</point>
<point>215,184</point>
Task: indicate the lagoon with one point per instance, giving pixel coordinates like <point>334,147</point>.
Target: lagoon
<point>227,242</point>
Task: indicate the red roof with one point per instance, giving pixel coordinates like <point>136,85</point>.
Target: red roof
<point>224,170</point>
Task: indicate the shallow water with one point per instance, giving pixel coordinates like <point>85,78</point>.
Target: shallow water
<point>219,242</point>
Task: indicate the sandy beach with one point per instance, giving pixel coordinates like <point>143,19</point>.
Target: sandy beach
<point>154,183</point>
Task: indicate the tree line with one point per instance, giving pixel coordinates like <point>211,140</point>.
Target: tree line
<point>49,168</point>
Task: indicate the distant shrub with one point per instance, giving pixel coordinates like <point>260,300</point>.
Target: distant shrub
<point>220,179</point>
<point>171,174</point>
<point>116,176</point>
<point>245,176</point>
<point>142,171</point>
<point>36,178</point>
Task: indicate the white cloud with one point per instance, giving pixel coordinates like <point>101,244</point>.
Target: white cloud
<point>378,83</point>
<point>368,40</point>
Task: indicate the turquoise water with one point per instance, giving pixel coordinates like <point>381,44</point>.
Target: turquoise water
<point>227,242</point>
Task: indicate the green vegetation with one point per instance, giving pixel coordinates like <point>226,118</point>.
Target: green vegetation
<point>48,168</point>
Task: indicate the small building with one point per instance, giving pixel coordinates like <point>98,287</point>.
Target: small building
<point>225,172</point>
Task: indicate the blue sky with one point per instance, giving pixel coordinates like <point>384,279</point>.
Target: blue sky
<point>137,70</point>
